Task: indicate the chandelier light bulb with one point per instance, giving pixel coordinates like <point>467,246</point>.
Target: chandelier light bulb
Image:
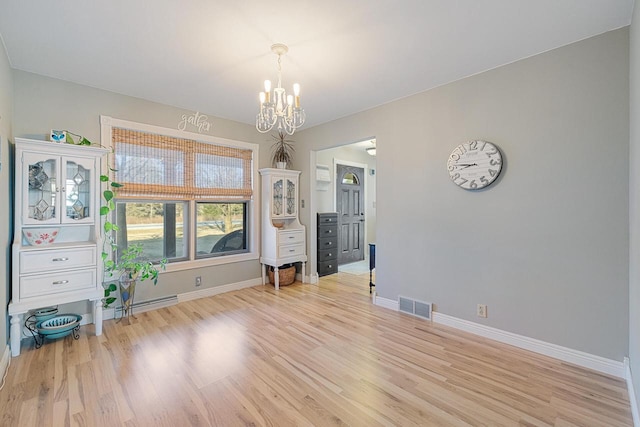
<point>262,97</point>
<point>267,85</point>
<point>296,89</point>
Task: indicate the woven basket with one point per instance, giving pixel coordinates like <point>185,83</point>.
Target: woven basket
<point>286,275</point>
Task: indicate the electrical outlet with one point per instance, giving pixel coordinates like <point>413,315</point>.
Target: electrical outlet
<point>198,281</point>
<point>482,310</point>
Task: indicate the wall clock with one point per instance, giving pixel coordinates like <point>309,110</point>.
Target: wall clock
<point>474,164</point>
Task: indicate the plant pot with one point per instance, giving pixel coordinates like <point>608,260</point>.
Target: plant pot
<point>281,165</point>
<point>127,292</point>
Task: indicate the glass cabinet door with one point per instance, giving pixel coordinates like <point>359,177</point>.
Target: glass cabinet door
<point>40,184</point>
<point>77,189</point>
<point>277,187</point>
<point>291,201</point>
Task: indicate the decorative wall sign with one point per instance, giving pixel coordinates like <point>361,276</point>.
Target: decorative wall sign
<point>200,121</point>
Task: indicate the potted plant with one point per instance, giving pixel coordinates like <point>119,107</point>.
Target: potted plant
<point>282,151</point>
<point>130,266</point>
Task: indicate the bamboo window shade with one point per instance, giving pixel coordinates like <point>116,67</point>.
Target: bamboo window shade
<point>154,166</point>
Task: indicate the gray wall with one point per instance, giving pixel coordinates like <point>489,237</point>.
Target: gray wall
<point>42,103</point>
<point>634,202</point>
<point>546,247</point>
<point>6,171</point>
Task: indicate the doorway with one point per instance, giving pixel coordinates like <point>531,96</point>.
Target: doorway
<point>351,217</point>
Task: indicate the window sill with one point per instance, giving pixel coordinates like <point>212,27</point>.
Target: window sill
<point>208,262</point>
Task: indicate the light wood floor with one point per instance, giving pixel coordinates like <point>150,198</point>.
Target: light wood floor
<point>306,355</point>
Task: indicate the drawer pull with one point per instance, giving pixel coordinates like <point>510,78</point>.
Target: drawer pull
<point>330,254</point>
<point>60,259</point>
<point>60,282</point>
<point>291,237</point>
<point>292,250</point>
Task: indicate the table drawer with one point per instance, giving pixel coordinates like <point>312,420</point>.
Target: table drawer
<point>290,237</point>
<point>327,267</point>
<point>327,231</point>
<point>56,259</point>
<point>328,243</point>
<point>290,250</point>
<point>328,255</point>
<point>327,218</point>
<point>43,284</point>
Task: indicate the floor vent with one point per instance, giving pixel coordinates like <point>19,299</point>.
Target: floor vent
<point>415,307</point>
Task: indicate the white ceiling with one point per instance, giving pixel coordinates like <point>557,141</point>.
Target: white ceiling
<point>347,55</point>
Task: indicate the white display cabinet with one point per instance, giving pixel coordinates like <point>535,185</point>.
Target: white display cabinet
<point>57,235</point>
<point>283,237</point>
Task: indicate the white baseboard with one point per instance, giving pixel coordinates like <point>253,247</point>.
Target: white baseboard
<point>385,302</point>
<point>188,296</point>
<point>580,358</point>
<point>632,393</point>
<point>110,313</point>
<point>4,362</point>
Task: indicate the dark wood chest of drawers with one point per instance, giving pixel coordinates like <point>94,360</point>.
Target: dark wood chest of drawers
<point>327,243</point>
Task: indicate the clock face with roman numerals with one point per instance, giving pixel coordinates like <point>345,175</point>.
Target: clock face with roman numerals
<point>474,164</point>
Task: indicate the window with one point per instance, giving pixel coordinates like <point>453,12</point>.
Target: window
<point>220,229</point>
<point>187,200</point>
<point>157,226</point>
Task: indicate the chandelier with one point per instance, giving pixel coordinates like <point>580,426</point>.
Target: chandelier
<point>278,107</point>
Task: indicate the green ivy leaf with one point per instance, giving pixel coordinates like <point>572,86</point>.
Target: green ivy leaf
<point>116,185</point>
<point>108,195</point>
<point>104,178</point>
<point>112,205</point>
<point>109,300</point>
<point>104,210</point>
<point>108,226</point>
<point>113,287</point>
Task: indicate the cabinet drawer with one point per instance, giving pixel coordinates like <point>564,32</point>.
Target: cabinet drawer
<point>43,284</point>
<point>290,250</point>
<point>327,267</point>
<point>327,243</point>
<point>290,237</point>
<point>56,259</point>
<point>330,255</point>
<point>327,218</point>
<point>327,231</point>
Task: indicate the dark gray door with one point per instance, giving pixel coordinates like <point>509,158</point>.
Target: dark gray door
<point>350,207</point>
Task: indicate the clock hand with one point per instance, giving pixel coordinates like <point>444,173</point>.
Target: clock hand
<point>466,165</point>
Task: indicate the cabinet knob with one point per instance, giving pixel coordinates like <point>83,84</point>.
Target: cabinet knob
<point>60,282</point>
<point>60,259</point>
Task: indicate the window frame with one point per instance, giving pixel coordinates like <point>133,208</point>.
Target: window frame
<point>253,203</point>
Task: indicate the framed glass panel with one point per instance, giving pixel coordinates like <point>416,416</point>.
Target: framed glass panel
<point>158,226</point>
<point>221,228</point>
<point>42,188</point>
